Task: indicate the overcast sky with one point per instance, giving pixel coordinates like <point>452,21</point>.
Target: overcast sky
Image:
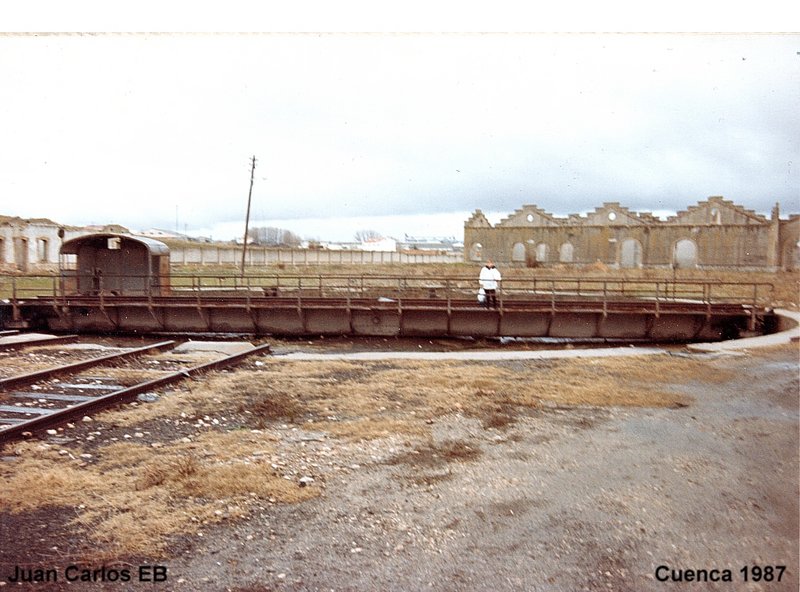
<point>399,133</point>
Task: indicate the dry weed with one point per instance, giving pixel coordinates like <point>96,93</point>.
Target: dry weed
<point>134,498</point>
<point>437,455</point>
<point>364,400</point>
<point>370,428</point>
<point>769,352</point>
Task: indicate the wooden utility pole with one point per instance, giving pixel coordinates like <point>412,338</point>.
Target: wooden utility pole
<point>247,217</point>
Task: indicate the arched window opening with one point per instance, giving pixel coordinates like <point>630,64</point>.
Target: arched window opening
<point>630,256</point>
<point>518,252</point>
<point>542,253</point>
<point>476,252</point>
<point>566,253</point>
<point>684,255</point>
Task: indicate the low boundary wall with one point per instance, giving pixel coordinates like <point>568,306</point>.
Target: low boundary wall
<point>232,255</point>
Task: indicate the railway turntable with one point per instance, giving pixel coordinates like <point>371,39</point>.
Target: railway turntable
<point>122,284</point>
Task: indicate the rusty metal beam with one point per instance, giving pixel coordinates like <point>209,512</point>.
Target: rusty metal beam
<point>397,305</point>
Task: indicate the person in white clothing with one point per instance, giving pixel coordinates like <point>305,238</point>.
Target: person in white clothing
<point>488,279</point>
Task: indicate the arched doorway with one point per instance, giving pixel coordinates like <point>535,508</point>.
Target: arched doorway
<point>790,260</point>
<point>566,253</point>
<point>518,252</point>
<point>542,253</point>
<point>684,255</point>
<point>476,252</point>
<point>630,256</point>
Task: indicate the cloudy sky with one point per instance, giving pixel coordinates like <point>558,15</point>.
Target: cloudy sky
<point>401,133</point>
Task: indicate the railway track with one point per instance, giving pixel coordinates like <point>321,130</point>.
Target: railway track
<point>42,399</point>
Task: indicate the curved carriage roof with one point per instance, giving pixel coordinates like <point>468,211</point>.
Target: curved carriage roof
<point>154,247</point>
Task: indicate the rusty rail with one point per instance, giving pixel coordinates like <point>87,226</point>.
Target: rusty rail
<point>125,395</point>
<point>31,377</point>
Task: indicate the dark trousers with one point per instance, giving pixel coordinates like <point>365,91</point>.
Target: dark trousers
<point>491,298</point>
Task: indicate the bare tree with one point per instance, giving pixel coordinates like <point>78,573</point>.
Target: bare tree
<point>274,237</point>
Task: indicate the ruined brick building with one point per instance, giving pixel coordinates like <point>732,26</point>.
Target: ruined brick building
<point>715,233</point>
<point>32,244</point>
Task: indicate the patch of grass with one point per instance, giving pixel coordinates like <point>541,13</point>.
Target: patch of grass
<point>430,389</point>
<point>790,349</point>
<point>365,400</point>
<point>370,428</point>
<point>371,400</point>
<point>437,455</point>
<point>133,498</point>
<point>267,407</point>
<point>498,417</point>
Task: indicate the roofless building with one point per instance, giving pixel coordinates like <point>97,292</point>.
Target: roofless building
<point>715,233</point>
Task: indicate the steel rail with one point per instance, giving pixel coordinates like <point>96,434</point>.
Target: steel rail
<point>125,395</point>
<point>31,377</point>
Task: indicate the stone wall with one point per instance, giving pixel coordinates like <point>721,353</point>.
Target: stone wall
<point>31,245</point>
<point>713,234</point>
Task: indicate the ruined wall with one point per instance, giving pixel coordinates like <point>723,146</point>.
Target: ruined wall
<point>714,233</point>
<point>30,245</point>
<point>789,243</point>
<point>33,245</point>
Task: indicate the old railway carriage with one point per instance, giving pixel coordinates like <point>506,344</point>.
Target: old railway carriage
<point>115,264</point>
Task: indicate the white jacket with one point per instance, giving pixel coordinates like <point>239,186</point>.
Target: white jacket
<point>489,278</point>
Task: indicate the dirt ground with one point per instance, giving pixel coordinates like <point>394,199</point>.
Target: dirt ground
<point>562,497</point>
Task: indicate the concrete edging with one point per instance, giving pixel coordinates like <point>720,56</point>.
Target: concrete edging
<point>789,319</point>
<point>481,356</point>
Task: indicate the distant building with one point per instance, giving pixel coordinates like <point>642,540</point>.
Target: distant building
<point>101,228</point>
<point>33,244</point>
<point>157,233</point>
<point>715,233</point>
<point>436,244</point>
<point>382,244</point>
<point>330,245</point>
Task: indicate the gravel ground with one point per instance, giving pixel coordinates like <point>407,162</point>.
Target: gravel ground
<point>566,499</point>
<point>561,499</point>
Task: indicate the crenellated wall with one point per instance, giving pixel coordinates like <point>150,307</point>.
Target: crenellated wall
<point>714,233</point>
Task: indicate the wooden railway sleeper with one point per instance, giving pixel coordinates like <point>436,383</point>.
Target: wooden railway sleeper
<point>18,429</point>
<point>31,377</point>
